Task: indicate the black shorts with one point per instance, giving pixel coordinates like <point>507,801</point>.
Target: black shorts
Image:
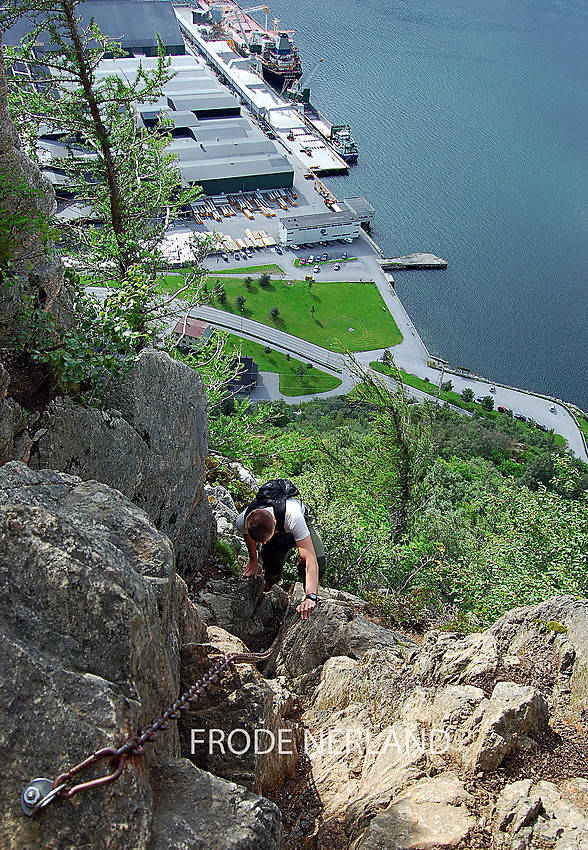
<point>275,551</point>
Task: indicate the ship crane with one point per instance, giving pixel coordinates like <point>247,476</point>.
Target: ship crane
<point>236,12</point>
<point>295,86</point>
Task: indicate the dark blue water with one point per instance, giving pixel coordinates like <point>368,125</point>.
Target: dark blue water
<point>472,122</point>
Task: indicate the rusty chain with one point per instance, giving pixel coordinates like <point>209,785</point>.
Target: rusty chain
<point>40,792</point>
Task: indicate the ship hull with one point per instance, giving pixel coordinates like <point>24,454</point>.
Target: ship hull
<point>277,79</point>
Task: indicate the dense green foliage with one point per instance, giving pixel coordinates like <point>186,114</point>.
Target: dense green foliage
<point>429,514</point>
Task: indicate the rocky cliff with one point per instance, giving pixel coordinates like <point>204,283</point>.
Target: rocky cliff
<point>393,741</point>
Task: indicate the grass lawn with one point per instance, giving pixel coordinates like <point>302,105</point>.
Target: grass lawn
<point>582,424</point>
<point>175,280</point>
<point>348,316</point>
<point>249,270</point>
<point>291,384</point>
<point>425,386</point>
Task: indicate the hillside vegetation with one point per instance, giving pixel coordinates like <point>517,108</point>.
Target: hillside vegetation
<point>431,515</point>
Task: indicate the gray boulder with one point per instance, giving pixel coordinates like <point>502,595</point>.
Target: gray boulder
<point>430,815</point>
<point>242,608</point>
<point>541,814</point>
<point>225,514</point>
<point>336,627</point>
<point>149,442</point>
<point>193,810</point>
<point>242,730</point>
<point>496,725</point>
<point>92,619</point>
<point>450,658</point>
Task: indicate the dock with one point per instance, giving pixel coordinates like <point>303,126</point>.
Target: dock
<point>414,261</point>
<point>278,118</point>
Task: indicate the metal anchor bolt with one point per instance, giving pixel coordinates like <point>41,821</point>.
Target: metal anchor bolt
<point>32,795</point>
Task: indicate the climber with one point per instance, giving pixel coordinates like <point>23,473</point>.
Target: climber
<point>279,520</point>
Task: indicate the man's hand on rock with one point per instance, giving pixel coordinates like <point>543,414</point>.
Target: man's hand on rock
<point>251,568</point>
<point>306,608</point>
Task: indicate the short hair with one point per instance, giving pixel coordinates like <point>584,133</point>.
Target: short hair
<point>260,525</point>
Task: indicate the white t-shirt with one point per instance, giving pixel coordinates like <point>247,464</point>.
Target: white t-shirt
<point>294,522</point>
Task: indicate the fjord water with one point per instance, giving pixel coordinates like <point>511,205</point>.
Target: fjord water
<point>472,122</point>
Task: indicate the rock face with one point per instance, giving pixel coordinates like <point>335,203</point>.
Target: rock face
<point>92,619</point>
<point>225,514</point>
<point>451,658</point>
<point>193,810</point>
<point>242,730</point>
<point>242,608</point>
<point>540,814</point>
<point>150,443</point>
<point>388,730</point>
<point>430,815</point>
<point>337,627</point>
<point>562,623</point>
<point>15,425</point>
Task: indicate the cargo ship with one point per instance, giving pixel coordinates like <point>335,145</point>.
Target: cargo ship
<point>273,48</point>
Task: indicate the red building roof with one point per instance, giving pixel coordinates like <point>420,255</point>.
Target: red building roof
<point>192,328</point>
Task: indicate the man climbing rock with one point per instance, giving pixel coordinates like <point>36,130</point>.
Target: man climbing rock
<point>279,521</point>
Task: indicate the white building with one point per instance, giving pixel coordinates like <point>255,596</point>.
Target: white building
<point>319,227</point>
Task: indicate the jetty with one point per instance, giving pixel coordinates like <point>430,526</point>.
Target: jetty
<point>414,261</point>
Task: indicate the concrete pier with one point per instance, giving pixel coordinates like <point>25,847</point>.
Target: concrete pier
<point>414,261</point>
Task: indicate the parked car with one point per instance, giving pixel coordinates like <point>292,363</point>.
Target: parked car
<point>520,417</point>
<point>479,399</point>
<point>278,250</point>
<point>225,257</point>
<point>336,267</point>
<point>492,389</point>
<point>344,255</point>
<point>295,247</point>
<point>311,258</point>
<point>349,240</point>
<point>317,268</point>
<point>324,257</point>
<point>237,255</point>
<point>302,261</point>
<point>552,408</point>
<point>541,426</point>
<point>501,409</point>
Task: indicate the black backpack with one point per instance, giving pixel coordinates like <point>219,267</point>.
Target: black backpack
<point>273,494</point>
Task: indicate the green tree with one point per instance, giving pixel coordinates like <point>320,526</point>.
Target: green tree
<point>240,302</point>
<point>122,170</point>
<point>221,294</point>
<point>447,386</point>
<point>467,394</point>
<point>264,279</point>
<point>248,281</point>
<point>487,403</point>
<point>274,313</point>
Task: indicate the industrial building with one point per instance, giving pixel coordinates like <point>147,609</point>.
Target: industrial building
<point>216,147</point>
<point>133,23</point>
<point>318,227</point>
